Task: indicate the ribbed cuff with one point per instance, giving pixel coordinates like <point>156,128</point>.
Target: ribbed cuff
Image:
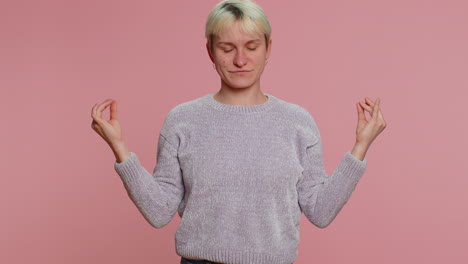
<point>351,167</point>
<point>357,162</point>
<point>128,170</point>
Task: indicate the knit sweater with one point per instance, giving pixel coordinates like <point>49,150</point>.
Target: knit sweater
<point>239,177</point>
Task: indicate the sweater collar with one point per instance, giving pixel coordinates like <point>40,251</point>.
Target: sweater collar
<point>209,99</point>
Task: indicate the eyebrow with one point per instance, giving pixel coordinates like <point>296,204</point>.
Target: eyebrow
<point>230,43</point>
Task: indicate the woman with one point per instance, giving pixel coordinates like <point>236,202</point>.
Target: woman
<point>239,166</point>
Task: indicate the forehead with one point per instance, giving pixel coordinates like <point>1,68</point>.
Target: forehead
<point>235,34</point>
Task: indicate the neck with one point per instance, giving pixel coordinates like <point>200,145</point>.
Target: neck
<point>240,96</point>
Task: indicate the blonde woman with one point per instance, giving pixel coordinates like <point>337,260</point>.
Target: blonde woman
<point>239,166</point>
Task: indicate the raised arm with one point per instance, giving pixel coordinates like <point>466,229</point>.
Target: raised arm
<point>321,197</point>
<point>156,195</point>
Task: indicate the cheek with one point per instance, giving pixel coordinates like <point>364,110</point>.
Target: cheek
<point>260,58</point>
<point>222,61</point>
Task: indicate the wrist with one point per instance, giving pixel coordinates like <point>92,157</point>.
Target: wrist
<point>117,145</point>
<point>359,150</point>
<point>120,151</point>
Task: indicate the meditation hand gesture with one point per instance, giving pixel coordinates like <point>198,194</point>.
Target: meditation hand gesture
<point>367,130</point>
<point>109,130</point>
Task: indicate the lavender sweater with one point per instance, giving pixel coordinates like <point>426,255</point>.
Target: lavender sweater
<point>239,178</point>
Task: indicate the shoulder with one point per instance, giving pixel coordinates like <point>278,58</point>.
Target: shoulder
<point>179,115</point>
<point>295,112</point>
<point>185,108</point>
<point>300,119</point>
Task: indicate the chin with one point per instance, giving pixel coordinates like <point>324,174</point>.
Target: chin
<point>241,85</point>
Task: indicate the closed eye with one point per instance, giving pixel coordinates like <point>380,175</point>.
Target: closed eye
<point>227,51</point>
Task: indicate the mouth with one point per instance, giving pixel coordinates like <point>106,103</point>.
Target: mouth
<point>244,71</point>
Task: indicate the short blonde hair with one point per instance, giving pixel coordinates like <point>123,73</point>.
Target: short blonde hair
<point>226,12</point>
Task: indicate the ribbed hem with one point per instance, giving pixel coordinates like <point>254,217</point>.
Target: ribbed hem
<point>209,99</point>
<point>233,256</point>
<point>128,169</point>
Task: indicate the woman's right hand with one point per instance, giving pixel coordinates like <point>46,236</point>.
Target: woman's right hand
<point>109,130</point>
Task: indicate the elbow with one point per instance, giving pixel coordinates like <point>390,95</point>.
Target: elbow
<point>323,216</point>
<point>156,220</point>
<point>323,221</point>
<point>157,225</point>
<point>322,224</point>
<point>319,218</point>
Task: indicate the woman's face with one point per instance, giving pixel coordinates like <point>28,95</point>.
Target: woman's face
<point>239,57</point>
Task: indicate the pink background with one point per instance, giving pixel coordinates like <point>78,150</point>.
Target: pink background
<point>62,201</point>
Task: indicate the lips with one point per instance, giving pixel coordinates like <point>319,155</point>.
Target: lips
<point>239,71</point>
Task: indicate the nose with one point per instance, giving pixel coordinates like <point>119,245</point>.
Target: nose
<point>240,59</point>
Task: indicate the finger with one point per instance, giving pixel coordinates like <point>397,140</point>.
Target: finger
<point>95,116</point>
<point>381,116</point>
<point>368,108</point>
<point>113,110</point>
<point>360,112</point>
<point>103,106</point>
<point>96,112</point>
<point>381,113</point>
<point>92,110</point>
<point>97,128</point>
<point>376,109</point>
<point>369,101</point>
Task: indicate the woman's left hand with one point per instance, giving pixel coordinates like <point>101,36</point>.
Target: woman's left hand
<point>368,130</point>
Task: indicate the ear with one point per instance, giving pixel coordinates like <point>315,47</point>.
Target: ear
<point>269,49</point>
<point>209,52</point>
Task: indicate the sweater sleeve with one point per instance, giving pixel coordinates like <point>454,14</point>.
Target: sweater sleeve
<point>321,197</point>
<point>158,195</point>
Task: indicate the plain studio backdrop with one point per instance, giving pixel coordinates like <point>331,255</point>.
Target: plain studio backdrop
<point>62,201</point>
